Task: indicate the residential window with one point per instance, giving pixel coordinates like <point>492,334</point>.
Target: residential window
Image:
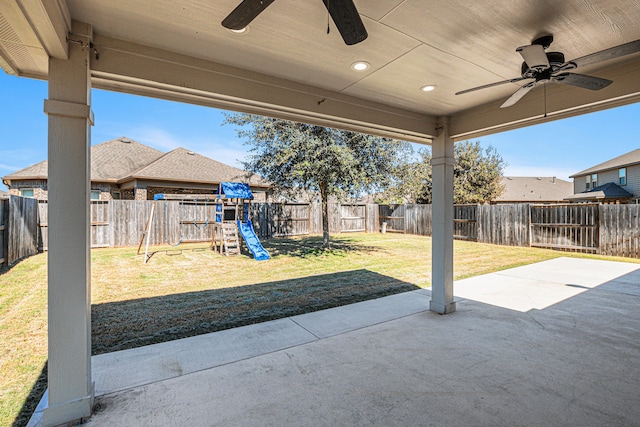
<point>588,183</point>
<point>594,180</point>
<point>27,192</point>
<point>622,176</point>
<point>95,194</point>
<point>116,195</point>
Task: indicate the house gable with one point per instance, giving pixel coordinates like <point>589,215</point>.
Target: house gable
<point>609,172</point>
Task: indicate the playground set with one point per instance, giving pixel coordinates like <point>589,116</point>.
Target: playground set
<point>232,201</point>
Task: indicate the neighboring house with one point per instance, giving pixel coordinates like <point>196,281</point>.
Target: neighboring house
<point>614,181</point>
<point>3,194</point>
<point>126,169</point>
<point>527,189</point>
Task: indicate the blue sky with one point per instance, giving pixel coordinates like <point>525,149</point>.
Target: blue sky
<point>559,149</point>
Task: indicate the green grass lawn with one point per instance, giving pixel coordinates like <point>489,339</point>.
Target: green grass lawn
<point>194,291</point>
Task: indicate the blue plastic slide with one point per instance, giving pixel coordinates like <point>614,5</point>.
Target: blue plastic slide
<point>252,241</point>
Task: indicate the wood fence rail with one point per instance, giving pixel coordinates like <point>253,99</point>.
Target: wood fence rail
<point>604,229</point>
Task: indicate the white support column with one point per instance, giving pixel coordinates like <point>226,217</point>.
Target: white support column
<point>71,391</point>
<point>442,162</point>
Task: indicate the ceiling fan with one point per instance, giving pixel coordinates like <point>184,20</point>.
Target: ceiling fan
<point>542,67</point>
<point>343,12</point>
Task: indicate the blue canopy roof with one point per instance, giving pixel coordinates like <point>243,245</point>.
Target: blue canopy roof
<point>236,190</point>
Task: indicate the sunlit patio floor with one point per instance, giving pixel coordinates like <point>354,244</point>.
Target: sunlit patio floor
<point>550,344</point>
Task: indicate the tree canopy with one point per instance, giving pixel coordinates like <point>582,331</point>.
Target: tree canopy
<point>330,162</point>
<point>477,176</point>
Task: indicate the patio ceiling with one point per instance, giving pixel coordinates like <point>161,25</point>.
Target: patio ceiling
<point>288,66</point>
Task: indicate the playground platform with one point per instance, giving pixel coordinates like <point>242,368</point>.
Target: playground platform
<point>553,343</point>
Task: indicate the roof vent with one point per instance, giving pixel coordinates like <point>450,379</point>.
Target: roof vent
<point>191,153</point>
<point>125,140</point>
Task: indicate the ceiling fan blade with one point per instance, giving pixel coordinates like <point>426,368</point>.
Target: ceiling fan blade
<point>611,53</point>
<point>517,95</point>
<point>347,20</point>
<point>581,80</point>
<point>244,13</point>
<point>518,79</point>
<point>534,56</point>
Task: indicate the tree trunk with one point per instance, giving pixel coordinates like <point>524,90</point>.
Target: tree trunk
<point>325,218</point>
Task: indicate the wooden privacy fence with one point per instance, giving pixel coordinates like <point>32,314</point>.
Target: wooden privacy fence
<point>4,215</point>
<point>619,230</point>
<point>119,223</point>
<point>18,228</point>
<point>353,218</point>
<point>506,225</point>
<point>465,224</point>
<point>392,218</point>
<point>604,229</point>
<point>565,226</point>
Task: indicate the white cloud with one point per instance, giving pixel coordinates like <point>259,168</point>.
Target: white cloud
<point>226,155</point>
<point>11,168</point>
<point>156,138</point>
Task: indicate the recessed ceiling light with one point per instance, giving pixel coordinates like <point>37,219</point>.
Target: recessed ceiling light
<point>427,88</point>
<point>244,30</point>
<point>360,66</point>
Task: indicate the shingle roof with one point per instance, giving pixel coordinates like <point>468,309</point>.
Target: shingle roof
<point>37,171</point>
<point>186,166</point>
<point>123,159</point>
<point>119,158</point>
<point>609,190</point>
<point>110,161</point>
<point>532,189</point>
<point>628,159</point>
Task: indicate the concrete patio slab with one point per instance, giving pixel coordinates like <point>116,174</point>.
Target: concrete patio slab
<point>532,287</point>
<point>575,361</point>
<point>572,271</point>
<point>334,321</point>
<point>123,369</point>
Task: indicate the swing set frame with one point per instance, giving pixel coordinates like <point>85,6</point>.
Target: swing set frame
<point>182,198</point>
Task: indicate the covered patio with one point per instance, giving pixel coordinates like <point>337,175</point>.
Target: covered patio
<point>553,343</point>
<point>402,80</point>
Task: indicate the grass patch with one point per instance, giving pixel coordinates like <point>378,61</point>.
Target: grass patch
<point>192,291</point>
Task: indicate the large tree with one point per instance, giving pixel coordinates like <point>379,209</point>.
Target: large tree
<point>296,156</point>
<point>476,177</point>
<point>411,182</point>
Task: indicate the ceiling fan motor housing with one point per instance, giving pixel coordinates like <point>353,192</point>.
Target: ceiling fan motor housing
<point>556,59</point>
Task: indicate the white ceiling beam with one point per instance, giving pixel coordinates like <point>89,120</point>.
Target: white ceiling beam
<point>133,68</point>
<point>562,101</point>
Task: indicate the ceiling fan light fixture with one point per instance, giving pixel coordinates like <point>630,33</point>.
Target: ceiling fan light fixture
<point>428,88</point>
<point>360,66</point>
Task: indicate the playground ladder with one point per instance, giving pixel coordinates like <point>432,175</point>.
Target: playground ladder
<point>229,242</point>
